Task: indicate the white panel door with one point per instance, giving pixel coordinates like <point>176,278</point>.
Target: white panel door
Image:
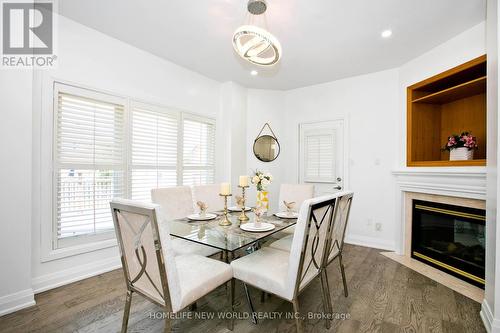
<point>321,154</point>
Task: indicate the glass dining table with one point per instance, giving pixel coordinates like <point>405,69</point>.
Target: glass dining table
<point>229,239</point>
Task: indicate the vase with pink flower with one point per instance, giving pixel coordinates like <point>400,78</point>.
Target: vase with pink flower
<point>461,147</point>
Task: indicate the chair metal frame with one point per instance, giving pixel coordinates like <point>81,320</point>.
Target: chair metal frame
<point>332,244</point>
<point>166,304</point>
<point>297,288</point>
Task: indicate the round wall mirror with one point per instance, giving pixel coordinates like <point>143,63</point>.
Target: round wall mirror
<point>266,148</point>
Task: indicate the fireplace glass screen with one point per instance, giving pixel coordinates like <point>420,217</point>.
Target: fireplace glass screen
<point>450,238</point>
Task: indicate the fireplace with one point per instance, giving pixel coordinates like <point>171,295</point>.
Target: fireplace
<point>450,238</point>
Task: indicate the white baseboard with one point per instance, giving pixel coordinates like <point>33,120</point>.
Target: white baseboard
<point>60,278</point>
<point>16,301</point>
<point>491,324</point>
<point>373,242</point>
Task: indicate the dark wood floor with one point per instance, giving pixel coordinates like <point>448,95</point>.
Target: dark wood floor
<point>384,297</point>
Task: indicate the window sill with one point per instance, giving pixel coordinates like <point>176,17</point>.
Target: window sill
<point>55,254</point>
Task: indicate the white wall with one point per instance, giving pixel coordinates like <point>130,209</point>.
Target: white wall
<point>266,106</point>
<point>15,189</point>
<point>490,310</point>
<point>369,104</point>
<point>92,59</point>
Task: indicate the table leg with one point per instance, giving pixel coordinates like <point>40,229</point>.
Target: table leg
<point>250,304</point>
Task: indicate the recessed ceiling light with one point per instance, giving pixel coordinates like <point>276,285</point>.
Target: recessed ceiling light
<point>254,72</point>
<point>386,33</point>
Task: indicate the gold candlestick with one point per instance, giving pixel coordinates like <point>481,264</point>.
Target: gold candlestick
<point>225,221</point>
<point>243,216</point>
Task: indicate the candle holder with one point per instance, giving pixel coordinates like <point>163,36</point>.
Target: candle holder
<point>225,221</point>
<point>243,216</point>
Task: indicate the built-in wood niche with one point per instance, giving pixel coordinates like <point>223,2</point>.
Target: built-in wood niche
<point>448,103</point>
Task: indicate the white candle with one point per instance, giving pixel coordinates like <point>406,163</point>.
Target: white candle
<point>243,181</point>
<point>225,188</point>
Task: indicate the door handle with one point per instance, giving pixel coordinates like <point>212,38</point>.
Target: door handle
<point>337,187</point>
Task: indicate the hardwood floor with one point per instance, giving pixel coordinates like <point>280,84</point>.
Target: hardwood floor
<point>384,296</point>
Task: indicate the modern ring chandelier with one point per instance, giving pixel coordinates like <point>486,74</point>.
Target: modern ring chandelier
<point>255,44</point>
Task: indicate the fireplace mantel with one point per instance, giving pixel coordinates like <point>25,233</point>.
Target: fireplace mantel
<point>456,182</point>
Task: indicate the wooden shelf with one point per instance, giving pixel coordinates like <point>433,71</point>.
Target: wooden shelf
<point>448,103</point>
<point>467,89</point>
<point>478,162</point>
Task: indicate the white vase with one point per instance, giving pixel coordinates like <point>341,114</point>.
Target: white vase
<point>461,154</point>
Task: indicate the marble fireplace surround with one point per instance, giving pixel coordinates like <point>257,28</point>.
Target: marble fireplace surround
<point>457,186</point>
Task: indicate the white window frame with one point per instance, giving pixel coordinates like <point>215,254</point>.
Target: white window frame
<point>180,160</point>
<point>72,241</point>
<point>44,159</point>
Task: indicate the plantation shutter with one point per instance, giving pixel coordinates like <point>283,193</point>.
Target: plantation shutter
<point>319,156</point>
<point>89,160</point>
<point>154,150</point>
<point>198,160</point>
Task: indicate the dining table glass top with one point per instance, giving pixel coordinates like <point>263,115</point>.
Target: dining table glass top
<point>228,238</point>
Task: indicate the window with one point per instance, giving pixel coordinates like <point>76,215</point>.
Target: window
<point>154,150</point>
<point>89,160</point>
<point>107,147</point>
<point>198,163</point>
<point>319,156</point>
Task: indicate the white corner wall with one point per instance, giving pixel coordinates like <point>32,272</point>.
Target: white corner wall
<point>15,190</point>
<point>369,104</point>
<point>490,309</point>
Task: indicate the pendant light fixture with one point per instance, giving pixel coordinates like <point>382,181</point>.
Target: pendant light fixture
<point>256,44</point>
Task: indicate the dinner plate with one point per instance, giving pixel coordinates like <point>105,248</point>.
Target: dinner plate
<point>286,215</point>
<point>251,226</point>
<point>198,217</point>
<point>238,209</point>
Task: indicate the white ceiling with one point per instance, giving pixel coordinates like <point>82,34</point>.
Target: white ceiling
<point>322,40</point>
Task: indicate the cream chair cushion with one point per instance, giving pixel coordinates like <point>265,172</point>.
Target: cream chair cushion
<point>209,194</point>
<point>266,269</point>
<point>176,203</point>
<point>283,244</point>
<point>182,246</point>
<point>199,276</point>
<point>190,276</point>
<point>297,193</point>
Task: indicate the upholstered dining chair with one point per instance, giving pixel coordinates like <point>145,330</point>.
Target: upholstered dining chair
<point>297,193</point>
<point>286,273</point>
<point>336,240</point>
<point>177,202</point>
<point>209,194</point>
<point>152,270</point>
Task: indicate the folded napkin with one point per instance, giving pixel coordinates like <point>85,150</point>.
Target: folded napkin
<point>203,206</point>
<point>289,205</point>
<point>239,201</point>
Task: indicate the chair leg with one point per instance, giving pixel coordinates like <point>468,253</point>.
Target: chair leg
<point>193,307</point>
<point>326,301</point>
<point>262,296</point>
<point>296,311</point>
<point>231,304</point>
<point>250,305</point>
<point>168,324</point>
<point>343,275</point>
<point>126,311</point>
